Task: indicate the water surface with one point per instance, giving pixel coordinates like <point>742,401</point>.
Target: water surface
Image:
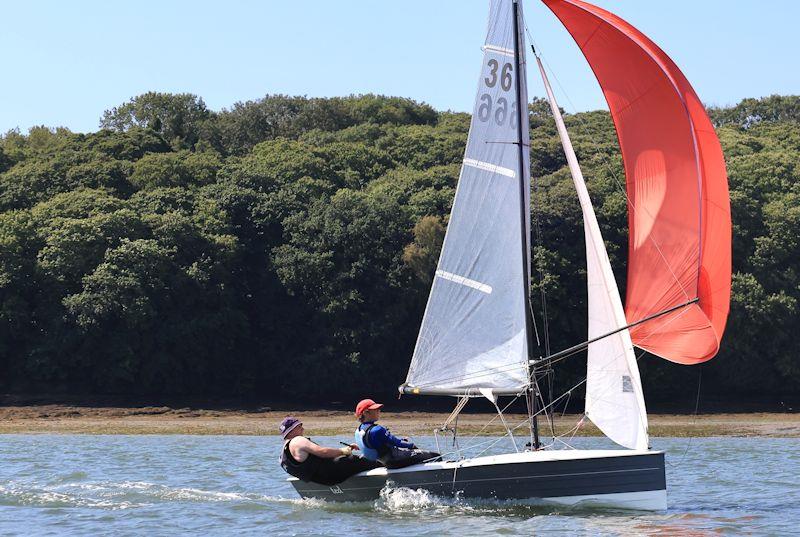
<point>232,485</point>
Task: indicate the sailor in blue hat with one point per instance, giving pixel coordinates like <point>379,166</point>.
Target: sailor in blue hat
<point>308,461</point>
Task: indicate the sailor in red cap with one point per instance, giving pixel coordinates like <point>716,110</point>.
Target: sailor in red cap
<point>377,443</point>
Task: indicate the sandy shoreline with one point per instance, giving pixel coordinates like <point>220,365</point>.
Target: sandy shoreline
<point>67,419</point>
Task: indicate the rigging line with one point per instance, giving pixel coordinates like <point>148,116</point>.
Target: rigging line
<point>568,394</point>
<point>488,443</point>
<point>539,242</point>
<point>571,432</point>
<point>549,415</point>
<point>566,405</point>
<point>529,406</point>
<point>506,143</point>
<point>494,418</point>
<point>453,417</point>
<point>492,441</point>
<point>499,415</point>
<point>606,162</point>
<point>519,425</point>
<point>694,418</point>
<point>565,394</point>
<point>473,437</point>
<point>505,426</point>
<point>550,384</point>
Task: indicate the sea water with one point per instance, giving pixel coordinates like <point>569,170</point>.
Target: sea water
<point>232,485</point>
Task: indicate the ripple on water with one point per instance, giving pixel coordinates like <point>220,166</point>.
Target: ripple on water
<point>25,495</point>
<point>110,495</point>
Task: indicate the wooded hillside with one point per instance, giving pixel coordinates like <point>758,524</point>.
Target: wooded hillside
<point>285,247</point>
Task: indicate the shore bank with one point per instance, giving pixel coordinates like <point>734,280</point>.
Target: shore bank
<point>66,419</point>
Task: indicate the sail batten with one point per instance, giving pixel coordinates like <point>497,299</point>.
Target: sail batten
<point>473,334</point>
<point>489,167</point>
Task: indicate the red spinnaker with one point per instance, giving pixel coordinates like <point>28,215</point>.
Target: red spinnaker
<point>679,209</point>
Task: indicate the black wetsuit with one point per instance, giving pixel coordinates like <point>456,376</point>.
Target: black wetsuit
<point>397,457</point>
<point>324,471</point>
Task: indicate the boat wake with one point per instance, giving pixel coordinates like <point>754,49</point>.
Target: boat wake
<point>399,500</point>
<point>67,493</point>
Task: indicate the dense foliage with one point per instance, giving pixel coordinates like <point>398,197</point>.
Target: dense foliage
<point>285,247</point>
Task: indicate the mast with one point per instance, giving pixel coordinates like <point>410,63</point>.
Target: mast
<point>522,108</point>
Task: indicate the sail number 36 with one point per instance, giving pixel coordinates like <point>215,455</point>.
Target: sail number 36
<point>499,110</point>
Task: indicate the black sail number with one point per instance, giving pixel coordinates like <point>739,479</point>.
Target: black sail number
<point>493,66</point>
<point>498,111</point>
<point>502,111</point>
<point>505,77</point>
<point>485,109</point>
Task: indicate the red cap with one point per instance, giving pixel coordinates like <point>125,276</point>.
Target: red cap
<point>366,404</point>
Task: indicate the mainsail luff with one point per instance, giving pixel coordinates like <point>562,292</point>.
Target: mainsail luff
<point>614,398</point>
<point>473,334</point>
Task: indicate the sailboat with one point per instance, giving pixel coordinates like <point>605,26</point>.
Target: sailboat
<point>477,337</point>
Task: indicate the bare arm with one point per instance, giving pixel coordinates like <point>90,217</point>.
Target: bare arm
<point>301,447</point>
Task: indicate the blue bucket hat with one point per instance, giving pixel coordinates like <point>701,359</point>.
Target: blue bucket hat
<point>288,425</point>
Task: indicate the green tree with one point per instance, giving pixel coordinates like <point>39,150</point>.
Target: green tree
<point>751,112</point>
<point>179,118</point>
<point>422,255</point>
<point>131,144</point>
<point>181,169</point>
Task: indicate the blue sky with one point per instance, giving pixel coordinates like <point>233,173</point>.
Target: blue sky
<point>66,62</point>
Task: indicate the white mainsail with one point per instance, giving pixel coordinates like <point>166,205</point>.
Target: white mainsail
<point>614,399</point>
<point>473,333</point>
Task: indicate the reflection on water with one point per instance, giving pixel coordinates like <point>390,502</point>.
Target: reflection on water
<point>232,485</point>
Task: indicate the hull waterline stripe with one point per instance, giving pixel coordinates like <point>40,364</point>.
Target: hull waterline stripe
<point>482,287</point>
<point>499,50</point>
<point>461,481</point>
<point>487,167</point>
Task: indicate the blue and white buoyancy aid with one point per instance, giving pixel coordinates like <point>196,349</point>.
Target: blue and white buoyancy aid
<point>361,441</point>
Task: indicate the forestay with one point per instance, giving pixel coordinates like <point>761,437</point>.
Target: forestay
<point>614,398</point>
<point>473,333</point>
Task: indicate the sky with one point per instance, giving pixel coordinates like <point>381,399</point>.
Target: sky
<point>64,63</point>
